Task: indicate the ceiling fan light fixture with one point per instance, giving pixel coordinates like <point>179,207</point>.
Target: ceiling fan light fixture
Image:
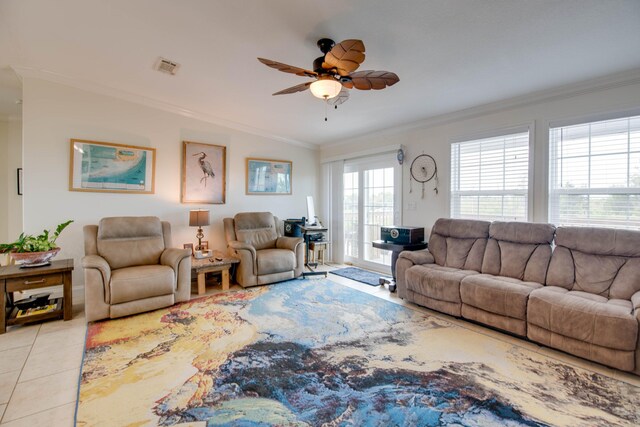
<point>326,88</point>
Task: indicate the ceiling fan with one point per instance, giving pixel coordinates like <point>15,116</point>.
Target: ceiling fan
<point>334,72</point>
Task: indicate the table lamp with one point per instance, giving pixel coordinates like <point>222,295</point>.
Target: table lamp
<point>198,218</point>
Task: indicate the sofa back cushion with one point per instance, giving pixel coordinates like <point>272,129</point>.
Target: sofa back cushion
<point>599,261</point>
<point>518,249</point>
<point>129,241</point>
<point>459,243</point>
<point>257,229</point>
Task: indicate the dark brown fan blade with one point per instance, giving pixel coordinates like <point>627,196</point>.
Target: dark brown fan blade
<point>342,97</point>
<point>294,89</point>
<point>366,80</point>
<point>346,56</point>
<point>348,84</point>
<point>288,68</point>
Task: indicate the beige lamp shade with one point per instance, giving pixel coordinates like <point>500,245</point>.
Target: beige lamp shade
<point>198,218</point>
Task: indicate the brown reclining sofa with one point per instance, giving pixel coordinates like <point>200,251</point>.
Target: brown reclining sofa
<point>576,289</point>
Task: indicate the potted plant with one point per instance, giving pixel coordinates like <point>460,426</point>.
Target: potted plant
<point>32,250</point>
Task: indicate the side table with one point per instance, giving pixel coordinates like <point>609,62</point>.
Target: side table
<point>395,249</point>
<point>14,279</point>
<point>219,262</point>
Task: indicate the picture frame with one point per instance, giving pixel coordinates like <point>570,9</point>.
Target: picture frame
<point>205,245</point>
<point>188,246</point>
<point>106,167</point>
<point>268,176</point>
<point>19,181</point>
<point>203,173</point>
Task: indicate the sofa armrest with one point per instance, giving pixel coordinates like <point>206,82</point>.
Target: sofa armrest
<point>635,301</point>
<point>241,246</point>
<point>100,264</point>
<point>418,257</point>
<point>247,255</point>
<point>171,257</point>
<point>290,243</point>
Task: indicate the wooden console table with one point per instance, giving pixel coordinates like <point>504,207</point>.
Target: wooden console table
<point>395,249</point>
<point>210,265</point>
<point>14,279</point>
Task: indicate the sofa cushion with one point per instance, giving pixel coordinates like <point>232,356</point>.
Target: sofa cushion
<point>505,296</point>
<point>518,250</point>
<point>256,228</point>
<point>275,261</point>
<point>600,261</point>
<point>436,281</point>
<point>140,282</point>
<point>459,243</point>
<point>584,316</point>
<point>130,241</point>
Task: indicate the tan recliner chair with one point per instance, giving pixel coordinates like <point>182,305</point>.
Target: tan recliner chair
<point>265,255</point>
<point>130,267</point>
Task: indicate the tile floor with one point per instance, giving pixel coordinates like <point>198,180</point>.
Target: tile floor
<point>40,364</point>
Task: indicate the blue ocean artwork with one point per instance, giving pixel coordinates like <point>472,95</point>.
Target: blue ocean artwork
<point>113,165</point>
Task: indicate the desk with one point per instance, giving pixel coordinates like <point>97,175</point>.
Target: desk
<point>395,249</point>
<point>203,266</point>
<point>14,279</point>
<point>307,232</point>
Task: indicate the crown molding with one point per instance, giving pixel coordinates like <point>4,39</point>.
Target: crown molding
<point>100,89</point>
<point>625,78</point>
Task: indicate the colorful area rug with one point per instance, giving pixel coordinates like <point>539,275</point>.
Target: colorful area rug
<point>360,275</point>
<point>316,353</point>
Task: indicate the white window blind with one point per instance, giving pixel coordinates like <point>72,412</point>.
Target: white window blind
<point>490,178</point>
<point>594,174</point>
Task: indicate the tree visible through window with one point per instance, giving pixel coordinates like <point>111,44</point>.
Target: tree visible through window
<point>594,174</point>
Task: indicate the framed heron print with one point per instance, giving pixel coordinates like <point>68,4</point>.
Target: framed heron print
<point>265,176</point>
<point>203,173</point>
<point>111,168</point>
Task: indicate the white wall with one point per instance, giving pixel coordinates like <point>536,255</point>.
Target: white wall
<point>53,114</point>
<point>434,137</point>
<point>10,160</point>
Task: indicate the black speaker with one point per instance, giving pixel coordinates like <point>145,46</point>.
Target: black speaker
<point>292,227</point>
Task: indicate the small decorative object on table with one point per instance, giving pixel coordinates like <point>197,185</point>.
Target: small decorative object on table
<point>34,251</point>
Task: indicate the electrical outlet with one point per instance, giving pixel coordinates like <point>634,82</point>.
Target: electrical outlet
<point>412,206</point>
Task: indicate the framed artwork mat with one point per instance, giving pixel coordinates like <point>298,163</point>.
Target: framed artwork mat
<point>203,173</point>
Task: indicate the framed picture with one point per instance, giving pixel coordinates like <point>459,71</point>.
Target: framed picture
<point>188,246</point>
<point>204,245</point>
<point>111,168</point>
<point>203,173</point>
<point>266,176</point>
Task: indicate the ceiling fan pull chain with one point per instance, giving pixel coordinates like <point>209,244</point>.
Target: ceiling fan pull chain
<point>326,102</point>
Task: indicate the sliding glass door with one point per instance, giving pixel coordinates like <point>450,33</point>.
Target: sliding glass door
<point>371,199</point>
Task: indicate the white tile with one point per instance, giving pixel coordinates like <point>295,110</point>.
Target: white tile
<point>60,416</point>
<point>41,394</point>
<point>13,359</point>
<point>7,383</point>
<point>2,408</point>
<point>43,363</point>
<point>58,339</point>
<point>61,325</point>
<point>18,336</point>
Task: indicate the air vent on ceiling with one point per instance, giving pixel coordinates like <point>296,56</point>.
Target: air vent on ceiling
<point>165,66</point>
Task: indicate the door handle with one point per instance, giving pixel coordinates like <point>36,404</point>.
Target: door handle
<point>30,282</point>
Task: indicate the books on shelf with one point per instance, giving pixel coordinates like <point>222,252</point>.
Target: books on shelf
<point>52,305</point>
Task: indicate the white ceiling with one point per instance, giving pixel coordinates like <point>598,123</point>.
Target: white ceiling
<point>449,54</point>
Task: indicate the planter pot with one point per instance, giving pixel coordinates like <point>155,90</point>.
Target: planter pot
<point>34,259</point>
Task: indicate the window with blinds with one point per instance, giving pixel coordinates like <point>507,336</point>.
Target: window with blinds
<point>594,174</point>
<point>490,178</point>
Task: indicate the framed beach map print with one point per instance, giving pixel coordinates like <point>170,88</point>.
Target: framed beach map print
<point>203,173</point>
<point>113,168</point>
<point>266,176</point>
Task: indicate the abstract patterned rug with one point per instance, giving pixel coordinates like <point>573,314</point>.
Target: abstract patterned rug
<point>360,275</point>
<point>316,353</point>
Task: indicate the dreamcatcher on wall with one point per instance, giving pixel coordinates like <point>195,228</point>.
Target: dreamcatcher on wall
<point>424,169</point>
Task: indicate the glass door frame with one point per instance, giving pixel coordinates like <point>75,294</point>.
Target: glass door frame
<point>360,166</point>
